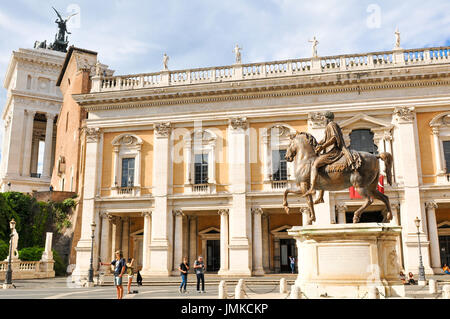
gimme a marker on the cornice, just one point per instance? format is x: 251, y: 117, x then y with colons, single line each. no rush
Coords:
x: 197, y: 97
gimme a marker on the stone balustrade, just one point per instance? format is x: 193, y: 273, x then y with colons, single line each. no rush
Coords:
x: 236, y: 72
x: 28, y: 269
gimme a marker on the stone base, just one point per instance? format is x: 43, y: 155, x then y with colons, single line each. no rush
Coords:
x: 5, y: 286
x: 345, y: 260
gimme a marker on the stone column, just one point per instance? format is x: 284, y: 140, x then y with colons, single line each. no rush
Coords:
x: 162, y: 220
x: 105, y: 248
x: 192, y: 239
x: 265, y: 242
x: 146, y: 243
x: 34, y: 155
x: 223, y: 241
x: 83, y: 248
x: 433, y: 236
x: 115, y: 235
x: 125, y: 237
x: 437, y: 147
x: 240, y: 261
x: 304, y: 211
x: 178, y: 240
x: 28, y: 144
x: 257, y: 242
x: 15, y: 141
x: 46, y: 171
x: 412, y: 206
x: 341, y: 210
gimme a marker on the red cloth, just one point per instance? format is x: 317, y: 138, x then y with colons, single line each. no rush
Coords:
x: 355, y: 195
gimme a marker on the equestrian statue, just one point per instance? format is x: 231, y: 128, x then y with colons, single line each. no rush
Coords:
x: 330, y: 166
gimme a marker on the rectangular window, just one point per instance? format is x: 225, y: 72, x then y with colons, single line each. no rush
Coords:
x: 279, y: 165
x: 128, y: 172
x: 447, y: 155
x: 201, y: 169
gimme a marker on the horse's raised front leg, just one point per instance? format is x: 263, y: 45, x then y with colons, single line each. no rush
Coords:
x: 286, y: 193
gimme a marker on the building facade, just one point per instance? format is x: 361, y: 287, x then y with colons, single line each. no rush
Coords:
x: 29, y: 117
x: 191, y: 162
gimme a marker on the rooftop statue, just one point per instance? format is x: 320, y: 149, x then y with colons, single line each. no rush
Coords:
x: 61, y: 40
x: 237, y: 52
x: 165, y: 62
x: 314, y: 46
x: 397, y: 39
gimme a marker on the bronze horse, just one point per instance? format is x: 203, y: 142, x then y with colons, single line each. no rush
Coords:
x: 364, y: 179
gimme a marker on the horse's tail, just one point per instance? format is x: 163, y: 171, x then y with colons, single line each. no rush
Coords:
x: 388, y: 161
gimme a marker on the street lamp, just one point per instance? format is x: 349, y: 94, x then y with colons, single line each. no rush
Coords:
x: 91, y: 267
x: 422, y: 280
x: 8, y: 276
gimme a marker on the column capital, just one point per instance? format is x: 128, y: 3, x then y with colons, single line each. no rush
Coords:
x: 223, y: 212
x: 238, y: 123
x: 31, y: 112
x: 147, y: 213
x: 431, y: 205
x: 395, y: 205
x: 178, y: 213
x: 404, y: 114
x: 49, y: 116
x: 162, y: 129
x: 341, y: 208
x: 257, y: 211
x: 435, y: 130
x: 92, y: 134
x: 104, y: 215
x: 317, y: 120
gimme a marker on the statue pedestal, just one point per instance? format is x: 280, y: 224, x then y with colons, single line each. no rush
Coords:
x: 346, y: 260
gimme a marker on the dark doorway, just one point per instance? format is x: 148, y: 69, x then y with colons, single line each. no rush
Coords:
x: 287, y: 248
x: 212, y: 255
x: 444, y: 246
x: 366, y: 217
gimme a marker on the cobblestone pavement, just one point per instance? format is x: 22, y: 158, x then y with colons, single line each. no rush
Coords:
x: 167, y: 288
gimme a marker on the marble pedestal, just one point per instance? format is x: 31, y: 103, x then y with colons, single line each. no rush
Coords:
x: 344, y: 260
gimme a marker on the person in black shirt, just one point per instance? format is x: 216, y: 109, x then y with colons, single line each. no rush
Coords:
x: 184, y: 267
x: 200, y: 268
x: 119, y: 268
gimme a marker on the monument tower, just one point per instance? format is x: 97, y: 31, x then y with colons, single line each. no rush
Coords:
x: 30, y: 114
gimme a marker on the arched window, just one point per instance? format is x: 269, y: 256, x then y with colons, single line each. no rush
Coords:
x: 362, y: 140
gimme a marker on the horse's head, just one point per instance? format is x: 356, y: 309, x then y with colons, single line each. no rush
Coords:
x: 300, y: 142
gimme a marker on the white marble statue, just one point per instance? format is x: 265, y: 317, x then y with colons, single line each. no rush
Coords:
x: 397, y: 39
x: 14, y: 241
x: 314, y: 46
x: 165, y: 62
x: 237, y: 52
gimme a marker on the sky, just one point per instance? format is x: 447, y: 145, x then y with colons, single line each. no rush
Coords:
x: 131, y: 36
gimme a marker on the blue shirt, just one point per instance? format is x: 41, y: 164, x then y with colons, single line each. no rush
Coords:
x: 118, y: 266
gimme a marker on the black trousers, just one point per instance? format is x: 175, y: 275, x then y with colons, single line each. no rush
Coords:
x: 200, y: 277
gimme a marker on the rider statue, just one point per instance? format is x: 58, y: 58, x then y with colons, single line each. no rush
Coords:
x: 333, y: 148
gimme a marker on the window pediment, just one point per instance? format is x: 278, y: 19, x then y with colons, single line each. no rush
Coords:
x: 127, y: 140
x: 364, y: 121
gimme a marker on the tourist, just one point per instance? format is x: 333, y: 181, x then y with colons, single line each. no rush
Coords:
x: 130, y: 273
x: 184, y: 267
x: 119, y: 269
x: 139, y: 278
x: 403, y: 277
x: 292, y: 260
x: 199, y: 267
x: 411, y: 279
x: 446, y: 269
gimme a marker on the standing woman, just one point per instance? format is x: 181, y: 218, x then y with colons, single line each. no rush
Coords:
x: 184, y: 267
x: 130, y: 273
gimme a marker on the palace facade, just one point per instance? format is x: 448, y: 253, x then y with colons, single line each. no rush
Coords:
x: 191, y: 162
